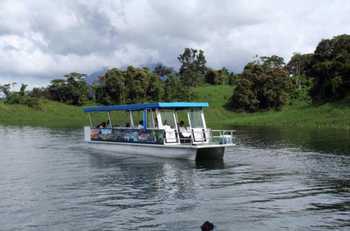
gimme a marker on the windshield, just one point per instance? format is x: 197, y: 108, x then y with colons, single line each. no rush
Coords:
x: 196, y: 119
x: 168, y: 119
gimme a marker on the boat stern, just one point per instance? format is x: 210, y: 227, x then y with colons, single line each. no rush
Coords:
x: 210, y: 153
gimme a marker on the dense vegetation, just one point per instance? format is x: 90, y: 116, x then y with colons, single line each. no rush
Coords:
x: 265, y: 84
x: 20, y: 97
x: 134, y: 84
x: 330, y: 69
x: 301, y: 115
x: 323, y: 76
x: 72, y: 90
x: 138, y: 85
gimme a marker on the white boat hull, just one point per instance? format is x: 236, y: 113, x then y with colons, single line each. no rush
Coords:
x: 191, y: 152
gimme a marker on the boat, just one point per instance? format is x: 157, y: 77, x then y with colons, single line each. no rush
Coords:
x: 165, y: 129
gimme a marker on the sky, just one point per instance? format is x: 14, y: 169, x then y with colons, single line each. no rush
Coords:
x: 41, y: 40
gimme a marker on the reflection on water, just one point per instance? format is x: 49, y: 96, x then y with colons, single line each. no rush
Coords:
x: 332, y: 141
x: 274, y: 180
x: 210, y: 164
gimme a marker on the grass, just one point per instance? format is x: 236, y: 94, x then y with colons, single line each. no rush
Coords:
x: 58, y: 115
x: 300, y: 114
x: 51, y: 114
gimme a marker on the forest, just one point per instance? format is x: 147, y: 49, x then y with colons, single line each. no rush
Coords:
x: 266, y: 83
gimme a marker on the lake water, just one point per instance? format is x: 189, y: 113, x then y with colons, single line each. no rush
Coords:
x: 289, y: 179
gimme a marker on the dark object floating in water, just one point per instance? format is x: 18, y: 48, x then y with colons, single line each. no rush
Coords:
x: 207, y: 226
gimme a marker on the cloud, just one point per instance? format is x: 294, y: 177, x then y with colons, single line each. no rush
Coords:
x: 41, y: 40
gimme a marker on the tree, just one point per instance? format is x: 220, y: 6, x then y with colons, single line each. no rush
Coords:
x: 297, y: 67
x: 22, y: 89
x: 211, y: 77
x: 232, y: 78
x: 216, y: 77
x: 137, y: 82
x: 162, y: 70
x: 275, y: 89
x: 299, y: 64
x: 133, y: 85
x: 73, y: 89
x: 193, y: 69
x: 155, y: 89
x: 99, y: 91
x: 57, y: 90
x: 174, y: 89
x: 77, y: 88
x: 263, y: 85
x: 39, y: 92
x: 272, y: 62
x: 244, y: 97
x: 5, y: 89
x: 115, y: 85
x: 330, y: 69
x: 20, y: 97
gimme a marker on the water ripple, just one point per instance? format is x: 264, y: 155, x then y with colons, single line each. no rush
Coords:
x: 271, y: 181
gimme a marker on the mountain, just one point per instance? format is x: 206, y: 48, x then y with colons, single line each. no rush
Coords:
x: 91, y: 78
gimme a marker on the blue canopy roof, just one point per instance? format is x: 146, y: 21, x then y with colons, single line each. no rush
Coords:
x: 139, y: 107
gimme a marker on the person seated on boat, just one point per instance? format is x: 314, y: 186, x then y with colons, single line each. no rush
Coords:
x: 127, y: 125
x: 140, y: 126
x: 101, y: 125
x: 166, y: 125
x: 183, y: 132
x: 155, y: 122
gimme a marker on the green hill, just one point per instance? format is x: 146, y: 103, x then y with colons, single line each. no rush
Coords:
x: 300, y: 114
x: 51, y: 114
x: 54, y: 114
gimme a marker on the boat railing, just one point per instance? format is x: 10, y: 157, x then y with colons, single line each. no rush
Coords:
x: 170, y: 136
x: 209, y: 136
x: 220, y: 136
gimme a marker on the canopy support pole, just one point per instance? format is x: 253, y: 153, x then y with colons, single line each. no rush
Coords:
x: 109, y: 119
x: 189, y: 120
x: 152, y: 119
x: 131, y: 119
x: 159, y: 119
x: 190, y: 124
x: 203, y: 120
x: 91, y: 125
x: 145, y: 119
x: 176, y: 127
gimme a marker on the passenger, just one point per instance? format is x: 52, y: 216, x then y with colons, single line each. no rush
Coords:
x: 127, y: 125
x: 101, y: 125
x: 155, y: 123
x: 183, y: 132
x: 166, y: 125
x: 140, y: 126
x: 207, y: 226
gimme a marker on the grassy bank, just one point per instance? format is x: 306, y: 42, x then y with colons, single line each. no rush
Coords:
x: 54, y: 114
x: 51, y: 114
x: 301, y: 114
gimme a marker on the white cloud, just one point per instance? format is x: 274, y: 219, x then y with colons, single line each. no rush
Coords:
x: 40, y: 40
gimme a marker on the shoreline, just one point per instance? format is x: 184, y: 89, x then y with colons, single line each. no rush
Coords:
x: 58, y: 115
x: 300, y: 115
